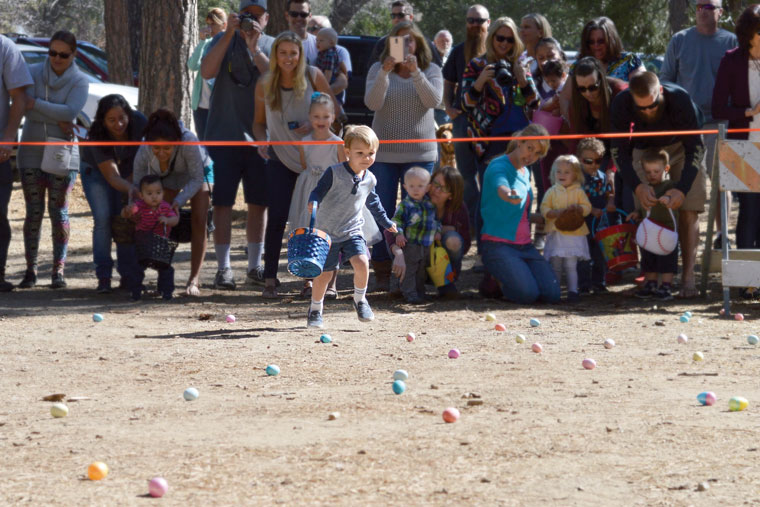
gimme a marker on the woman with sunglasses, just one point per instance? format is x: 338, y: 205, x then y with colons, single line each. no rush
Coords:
x: 58, y: 95
x: 403, y: 96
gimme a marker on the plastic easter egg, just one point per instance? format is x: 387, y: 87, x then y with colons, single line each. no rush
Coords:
x: 59, y: 410
x: 490, y: 317
x: 707, y: 398
x: 739, y: 316
x: 520, y: 338
x: 231, y: 318
x: 273, y: 370
x: 722, y: 311
x: 157, y: 487
x: 399, y: 386
x: 698, y: 356
x: 454, y: 353
x: 500, y: 327
x: 737, y: 404
x: 537, y: 348
x: 410, y: 337
x: 96, y: 317
x: 400, y: 375
x: 609, y: 343
x: 451, y: 415
x: 97, y: 471
x: 589, y: 363
x: 688, y: 314
x: 752, y: 339
x: 684, y: 319
x: 325, y: 338
x: 682, y: 338
x: 535, y: 322
x: 190, y: 394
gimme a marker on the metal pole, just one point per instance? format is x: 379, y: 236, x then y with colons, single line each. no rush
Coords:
x: 724, y: 228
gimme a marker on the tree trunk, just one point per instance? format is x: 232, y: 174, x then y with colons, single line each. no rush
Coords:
x: 170, y: 32
x: 134, y: 14
x: 678, y: 14
x: 277, y: 22
x: 118, y: 42
x: 342, y: 12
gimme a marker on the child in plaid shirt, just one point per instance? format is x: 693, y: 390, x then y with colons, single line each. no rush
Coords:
x: 418, y: 228
x: 328, y: 60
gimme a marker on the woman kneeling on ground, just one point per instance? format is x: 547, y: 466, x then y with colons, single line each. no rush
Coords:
x: 184, y: 179
x: 508, y: 253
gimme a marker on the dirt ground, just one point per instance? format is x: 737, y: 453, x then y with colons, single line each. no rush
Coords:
x: 629, y: 432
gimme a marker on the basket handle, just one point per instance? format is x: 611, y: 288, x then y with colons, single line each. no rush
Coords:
x: 605, y: 219
x: 313, y: 216
x: 672, y: 216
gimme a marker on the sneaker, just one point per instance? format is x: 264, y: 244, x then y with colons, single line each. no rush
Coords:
x: 663, y: 293
x: 57, y: 281
x: 331, y: 293
x: 573, y: 297
x: 256, y: 275
x: 612, y: 277
x: 167, y: 296
x: 412, y: 299
x: 750, y: 293
x: 600, y: 289
x: 363, y: 311
x: 314, y: 319
x: 6, y: 286
x: 104, y: 286
x: 539, y: 242
x: 648, y: 291
x: 29, y: 281
x: 584, y: 291
x: 136, y: 294
x: 718, y: 243
x: 224, y: 280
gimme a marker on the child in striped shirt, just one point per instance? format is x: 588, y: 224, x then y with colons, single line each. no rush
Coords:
x: 153, y: 216
x: 418, y: 227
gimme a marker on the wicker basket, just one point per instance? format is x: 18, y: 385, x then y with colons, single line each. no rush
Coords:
x: 307, y: 249
x: 153, y: 250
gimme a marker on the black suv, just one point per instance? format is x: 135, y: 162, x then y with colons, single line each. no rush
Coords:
x: 360, y: 48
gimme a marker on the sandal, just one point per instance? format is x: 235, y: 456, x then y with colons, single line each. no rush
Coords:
x: 306, y: 291
x: 331, y: 293
x: 270, y: 293
x: 192, y: 289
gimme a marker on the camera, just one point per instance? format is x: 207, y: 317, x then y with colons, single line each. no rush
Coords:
x: 248, y: 21
x: 503, y: 74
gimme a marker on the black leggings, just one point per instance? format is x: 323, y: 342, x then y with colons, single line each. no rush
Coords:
x: 280, y: 184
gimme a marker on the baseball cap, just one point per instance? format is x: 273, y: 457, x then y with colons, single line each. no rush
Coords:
x: 256, y: 3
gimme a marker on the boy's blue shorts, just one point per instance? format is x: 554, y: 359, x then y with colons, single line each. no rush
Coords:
x: 355, y: 245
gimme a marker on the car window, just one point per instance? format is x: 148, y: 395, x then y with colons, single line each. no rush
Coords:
x: 96, y: 58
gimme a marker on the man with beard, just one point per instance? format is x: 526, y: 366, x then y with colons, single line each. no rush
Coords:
x: 650, y: 106
x: 401, y: 10
x: 474, y: 45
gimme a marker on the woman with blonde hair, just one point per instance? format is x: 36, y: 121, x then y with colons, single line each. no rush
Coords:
x: 403, y: 95
x: 533, y: 28
x: 513, y: 266
x: 283, y: 96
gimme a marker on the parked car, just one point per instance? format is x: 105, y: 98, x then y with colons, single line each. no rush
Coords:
x: 359, y: 47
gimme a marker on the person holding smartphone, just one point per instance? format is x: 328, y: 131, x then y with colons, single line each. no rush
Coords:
x: 403, y: 89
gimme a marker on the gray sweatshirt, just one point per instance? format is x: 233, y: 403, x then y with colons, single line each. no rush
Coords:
x: 66, y: 96
x: 404, y: 110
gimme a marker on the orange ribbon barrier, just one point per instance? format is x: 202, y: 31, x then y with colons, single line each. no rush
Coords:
x: 387, y: 141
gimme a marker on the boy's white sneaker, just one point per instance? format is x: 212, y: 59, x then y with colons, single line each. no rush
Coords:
x: 363, y: 311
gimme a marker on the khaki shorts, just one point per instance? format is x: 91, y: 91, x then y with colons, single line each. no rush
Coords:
x: 695, y: 199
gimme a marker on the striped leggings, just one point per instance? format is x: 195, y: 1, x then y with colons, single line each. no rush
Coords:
x: 35, y: 183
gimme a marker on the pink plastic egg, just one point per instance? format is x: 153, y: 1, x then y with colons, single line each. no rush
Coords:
x: 537, y: 348
x: 451, y: 415
x: 500, y: 327
x: 739, y: 316
x: 454, y: 353
x: 589, y: 364
x: 158, y: 487
x: 231, y: 318
x: 410, y: 337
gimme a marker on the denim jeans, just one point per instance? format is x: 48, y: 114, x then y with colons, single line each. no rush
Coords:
x: 389, y: 175
x: 468, y: 167
x: 6, y: 187
x: 523, y: 273
x: 105, y: 203
x: 455, y: 256
x: 591, y: 272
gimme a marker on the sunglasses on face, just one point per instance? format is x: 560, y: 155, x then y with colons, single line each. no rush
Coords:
x: 296, y: 14
x: 476, y: 21
x: 596, y: 42
x: 440, y: 187
x: 397, y: 15
x: 501, y: 38
x: 592, y: 88
x: 53, y: 54
x: 594, y: 161
x: 653, y: 105
x: 707, y: 7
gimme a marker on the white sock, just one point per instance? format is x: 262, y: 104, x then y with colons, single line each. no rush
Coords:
x: 359, y: 294
x: 316, y: 305
x: 222, y: 256
x: 254, y: 255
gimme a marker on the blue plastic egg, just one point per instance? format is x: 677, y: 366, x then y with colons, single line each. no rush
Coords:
x: 325, y: 338
x: 752, y: 339
x: 707, y: 398
x: 687, y: 313
x: 190, y: 394
x: 273, y: 370
x: 96, y: 317
x: 535, y: 322
x: 684, y: 318
x: 399, y: 386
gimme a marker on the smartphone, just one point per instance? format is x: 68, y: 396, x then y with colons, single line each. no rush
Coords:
x: 80, y: 131
x: 399, y: 48
x: 292, y: 125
